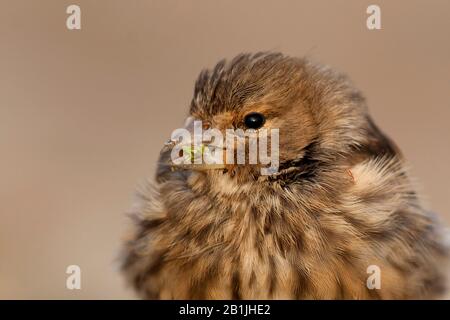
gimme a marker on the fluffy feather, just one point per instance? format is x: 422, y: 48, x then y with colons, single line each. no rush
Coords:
x: 343, y: 200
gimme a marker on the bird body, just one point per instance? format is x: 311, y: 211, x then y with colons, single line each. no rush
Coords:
x: 341, y: 201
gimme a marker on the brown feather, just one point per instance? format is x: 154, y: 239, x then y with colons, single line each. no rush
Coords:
x: 309, y: 232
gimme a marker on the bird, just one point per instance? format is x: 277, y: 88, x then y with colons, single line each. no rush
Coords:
x: 341, y: 203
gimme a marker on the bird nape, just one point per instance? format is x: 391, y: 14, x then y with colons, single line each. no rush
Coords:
x: 336, y: 217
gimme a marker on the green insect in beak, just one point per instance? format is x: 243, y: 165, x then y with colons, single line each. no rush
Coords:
x: 190, y: 153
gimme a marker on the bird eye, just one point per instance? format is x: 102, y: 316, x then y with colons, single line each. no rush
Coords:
x: 254, y: 120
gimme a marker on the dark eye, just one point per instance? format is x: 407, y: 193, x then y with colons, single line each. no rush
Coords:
x: 254, y: 120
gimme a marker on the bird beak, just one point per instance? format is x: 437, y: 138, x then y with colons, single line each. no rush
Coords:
x: 192, y: 154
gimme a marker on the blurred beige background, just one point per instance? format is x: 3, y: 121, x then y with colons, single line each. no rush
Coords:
x: 84, y: 113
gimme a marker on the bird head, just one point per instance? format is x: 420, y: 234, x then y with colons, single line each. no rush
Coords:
x: 311, y: 118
